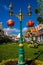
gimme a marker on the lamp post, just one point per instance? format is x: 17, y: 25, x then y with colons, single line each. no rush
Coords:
x: 20, y: 16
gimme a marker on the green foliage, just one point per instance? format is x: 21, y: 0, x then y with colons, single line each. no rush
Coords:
x: 5, y: 61
x: 39, y: 19
x: 9, y: 51
x: 36, y: 11
x: 37, y: 62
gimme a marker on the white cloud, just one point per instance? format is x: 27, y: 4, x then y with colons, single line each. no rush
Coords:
x: 9, y: 30
x: 24, y: 29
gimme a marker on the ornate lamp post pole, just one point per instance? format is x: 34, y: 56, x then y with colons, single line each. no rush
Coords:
x: 20, y: 17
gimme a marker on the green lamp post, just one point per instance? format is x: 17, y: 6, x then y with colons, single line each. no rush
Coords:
x: 20, y: 16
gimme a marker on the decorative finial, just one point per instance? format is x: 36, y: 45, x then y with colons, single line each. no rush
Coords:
x: 10, y: 6
x: 29, y: 7
x: 20, y: 10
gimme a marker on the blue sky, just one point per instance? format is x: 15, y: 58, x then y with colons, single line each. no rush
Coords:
x: 17, y: 4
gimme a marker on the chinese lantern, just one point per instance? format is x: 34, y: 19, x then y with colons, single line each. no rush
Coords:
x: 30, y: 23
x: 10, y: 23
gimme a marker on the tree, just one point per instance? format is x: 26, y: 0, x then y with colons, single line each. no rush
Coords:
x: 39, y: 11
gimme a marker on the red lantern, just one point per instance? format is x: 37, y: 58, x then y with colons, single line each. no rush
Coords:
x: 10, y: 23
x: 30, y: 23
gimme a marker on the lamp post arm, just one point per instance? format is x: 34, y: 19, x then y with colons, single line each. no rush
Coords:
x: 20, y: 16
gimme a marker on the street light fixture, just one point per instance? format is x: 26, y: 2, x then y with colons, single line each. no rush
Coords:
x: 20, y: 16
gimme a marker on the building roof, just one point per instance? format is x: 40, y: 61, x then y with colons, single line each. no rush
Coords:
x: 18, y: 36
x: 38, y: 33
x: 34, y: 32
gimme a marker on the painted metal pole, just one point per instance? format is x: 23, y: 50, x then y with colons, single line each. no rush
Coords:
x: 21, y: 60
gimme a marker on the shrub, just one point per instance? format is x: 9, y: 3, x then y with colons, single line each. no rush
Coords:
x: 37, y: 62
